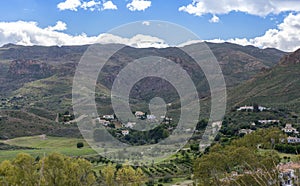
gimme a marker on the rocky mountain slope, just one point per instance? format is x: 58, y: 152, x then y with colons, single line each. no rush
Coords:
x: 37, y: 80
x: 278, y: 87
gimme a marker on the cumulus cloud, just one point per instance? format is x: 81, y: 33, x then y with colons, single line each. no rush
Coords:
x: 109, y: 5
x: 60, y: 26
x: 285, y: 37
x: 214, y: 19
x: 138, y: 5
x: 91, y: 5
x: 29, y: 33
x: 253, y: 7
x: 69, y: 5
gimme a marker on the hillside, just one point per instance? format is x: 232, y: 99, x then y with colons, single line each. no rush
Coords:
x: 278, y: 87
x: 38, y: 80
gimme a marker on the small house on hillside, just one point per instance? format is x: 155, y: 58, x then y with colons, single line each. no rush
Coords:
x: 293, y: 140
x: 268, y: 121
x: 289, y: 129
x: 103, y: 122
x: 139, y: 114
x: 287, y: 177
x: 125, y: 132
x: 151, y: 117
x: 129, y: 125
x: 108, y: 117
x: 251, y: 108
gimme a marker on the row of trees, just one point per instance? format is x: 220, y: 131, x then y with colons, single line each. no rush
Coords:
x: 57, y: 169
x: 54, y: 169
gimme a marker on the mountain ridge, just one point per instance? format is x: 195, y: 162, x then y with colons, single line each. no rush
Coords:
x: 278, y: 87
x: 53, y: 93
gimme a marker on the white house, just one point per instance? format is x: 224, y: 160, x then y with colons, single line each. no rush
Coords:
x: 108, y: 117
x: 103, y: 122
x: 139, y: 114
x: 125, y: 132
x: 245, y: 108
x: 268, y: 121
x: 260, y: 108
x: 293, y: 140
x: 151, y: 117
x: 129, y: 124
x: 289, y: 129
x: 287, y: 177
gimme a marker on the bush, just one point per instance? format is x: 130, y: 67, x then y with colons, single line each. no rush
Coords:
x: 80, y: 145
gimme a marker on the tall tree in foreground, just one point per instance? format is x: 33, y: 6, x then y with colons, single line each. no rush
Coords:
x: 109, y: 174
x: 21, y: 171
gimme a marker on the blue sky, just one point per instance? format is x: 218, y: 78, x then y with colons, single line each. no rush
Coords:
x: 240, y: 23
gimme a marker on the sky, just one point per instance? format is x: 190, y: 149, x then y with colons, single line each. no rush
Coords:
x: 262, y: 23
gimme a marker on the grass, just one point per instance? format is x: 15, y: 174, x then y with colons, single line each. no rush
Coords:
x: 66, y: 146
x: 277, y: 88
x: 293, y: 157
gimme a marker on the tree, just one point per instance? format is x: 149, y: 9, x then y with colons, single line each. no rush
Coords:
x: 62, y: 170
x: 201, y: 125
x: 125, y: 175
x: 21, y: 171
x: 240, y: 155
x: 109, y: 174
x: 128, y: 176
x: 80, y: 145
x: 54, y: 169
x: 255, y: 107
x: 140, y: 177
x: 6, y: 173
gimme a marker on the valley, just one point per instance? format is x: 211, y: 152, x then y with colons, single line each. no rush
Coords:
x: 36, y: 115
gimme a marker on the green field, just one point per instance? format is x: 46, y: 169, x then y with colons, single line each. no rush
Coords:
x: 66, y: 146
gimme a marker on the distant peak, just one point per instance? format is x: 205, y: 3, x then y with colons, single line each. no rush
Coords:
x: 292, y: 58
x: 9, y: 45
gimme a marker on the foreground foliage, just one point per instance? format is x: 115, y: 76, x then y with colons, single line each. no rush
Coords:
x: 54, y: 169
x: 242, y: 162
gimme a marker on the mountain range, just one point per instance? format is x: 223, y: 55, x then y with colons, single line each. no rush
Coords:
x: 36, y: 81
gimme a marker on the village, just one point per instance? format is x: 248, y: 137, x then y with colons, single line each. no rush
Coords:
x: 288, y: 170
x: 110, y: 121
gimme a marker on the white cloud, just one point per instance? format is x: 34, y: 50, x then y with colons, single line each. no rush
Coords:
x: 91, y: 5
x: 214, y: 19
x: 60, y: 26
x: 138, y: 5
x: 285, y: 37
x: 69, y: 5
x: 253, y: 7
x: 29, y: 33
x: 145, y: 41
x: 146, y: 23
x: 109, y: 5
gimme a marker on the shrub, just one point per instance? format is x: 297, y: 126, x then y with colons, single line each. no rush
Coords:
x: 80, y: 145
